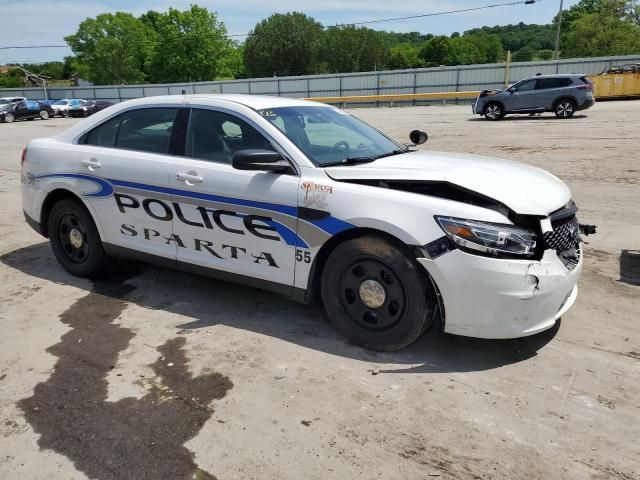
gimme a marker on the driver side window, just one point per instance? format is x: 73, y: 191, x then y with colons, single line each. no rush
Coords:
x: 216, y: 136
x: 526, y: 86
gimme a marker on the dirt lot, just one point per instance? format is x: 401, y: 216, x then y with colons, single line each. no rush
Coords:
x: 157, y: 374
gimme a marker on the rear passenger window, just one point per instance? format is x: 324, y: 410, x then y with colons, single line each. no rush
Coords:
x: 104, y: 135
x: 146, y: 130
x: 547, y: 83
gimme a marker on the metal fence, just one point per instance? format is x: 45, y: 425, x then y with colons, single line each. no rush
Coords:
x: 421, y: 80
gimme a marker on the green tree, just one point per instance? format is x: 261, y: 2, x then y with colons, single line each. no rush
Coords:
x: 12, y: 79
x: 598, y: 35
x: 353, y: 49
x: 435, y: 51
x: 284, y: 44
x: 112, y: 48
x: 525, y: 54
x: 405, y: 55
x: 190, y: 45
x: 600, y: 27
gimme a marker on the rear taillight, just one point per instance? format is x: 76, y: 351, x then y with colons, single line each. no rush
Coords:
x: 24, y: 156
x: 586, y: 86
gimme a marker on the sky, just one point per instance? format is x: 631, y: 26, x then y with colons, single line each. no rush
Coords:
x: 47, y: 22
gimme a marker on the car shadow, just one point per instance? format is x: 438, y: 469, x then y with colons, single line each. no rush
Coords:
x: 526, y: 117
x: 630, y: 267
x: 210, y: 302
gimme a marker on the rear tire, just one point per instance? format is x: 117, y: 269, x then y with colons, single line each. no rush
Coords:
x: 75, y: 240
x: 376, y: 294
x: 565, y: 108
x: 9, y: 118
x: 493, y: 111
x: 44, y: 115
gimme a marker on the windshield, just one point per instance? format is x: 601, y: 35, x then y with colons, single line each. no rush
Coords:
x: 62, y: 102
x: 328, y: 135
x: 75, y: 103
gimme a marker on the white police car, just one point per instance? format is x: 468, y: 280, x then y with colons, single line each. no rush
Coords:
x: 306, y: 200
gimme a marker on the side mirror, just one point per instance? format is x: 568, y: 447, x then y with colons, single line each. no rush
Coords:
x: 511, y: 90
x: 263, y: 160
x: 418, y: 137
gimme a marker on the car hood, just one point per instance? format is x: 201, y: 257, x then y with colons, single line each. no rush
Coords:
x: 524, y: 189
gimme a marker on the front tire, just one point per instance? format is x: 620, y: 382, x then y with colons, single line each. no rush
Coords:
x: 376, y: 294
x: 9, y: 118
x: 44, y: 115
x: 75, y: 240
x: 493, y: 111
x: 565, y: 108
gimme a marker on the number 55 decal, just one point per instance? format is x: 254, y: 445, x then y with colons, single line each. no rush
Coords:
x: 303, y: 256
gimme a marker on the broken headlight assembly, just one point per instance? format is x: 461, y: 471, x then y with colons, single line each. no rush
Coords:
x: 489, y: 238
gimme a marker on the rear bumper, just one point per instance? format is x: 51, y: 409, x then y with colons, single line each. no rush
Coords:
x: 37, y: 226
x: 497, y: 298
x: 587, y: 104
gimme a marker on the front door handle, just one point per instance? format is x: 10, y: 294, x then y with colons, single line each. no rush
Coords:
x: 92, y: 164
x: 190, y: 178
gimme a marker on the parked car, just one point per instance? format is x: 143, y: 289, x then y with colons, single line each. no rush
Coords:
x: 25, y: 109
x: 61, y: 107
x: 89, y: 107
x: 560, y: 94
x: 306, y: 200
x: 5, y: 100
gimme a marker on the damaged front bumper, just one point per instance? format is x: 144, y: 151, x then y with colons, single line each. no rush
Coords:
x: 488, y: 297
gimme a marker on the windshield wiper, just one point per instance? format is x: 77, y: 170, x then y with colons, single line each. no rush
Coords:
x: 358, y: 160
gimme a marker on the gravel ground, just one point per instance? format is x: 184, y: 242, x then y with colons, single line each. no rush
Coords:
x: 161, y: 375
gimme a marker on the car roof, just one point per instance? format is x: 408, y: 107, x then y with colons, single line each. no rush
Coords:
x: 559, y: 75
x: 255, y: 102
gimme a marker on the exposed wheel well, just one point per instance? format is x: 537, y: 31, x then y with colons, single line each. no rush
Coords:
x: 52, y: 198
x: 315, y: 276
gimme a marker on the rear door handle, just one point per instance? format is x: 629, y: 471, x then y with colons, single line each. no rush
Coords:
x: 189, y: 178
x: 92, y: 164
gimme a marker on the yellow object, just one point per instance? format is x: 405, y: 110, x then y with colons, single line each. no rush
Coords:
x: 616, y: 85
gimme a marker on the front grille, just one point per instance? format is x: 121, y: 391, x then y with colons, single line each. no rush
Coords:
x: 565, y: 240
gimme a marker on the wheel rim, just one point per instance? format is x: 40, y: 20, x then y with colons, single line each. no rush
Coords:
x: 44, y: 115
x: 72, y: 235
x: 9, y: 118
x: 565, y: 109
x: 372, y: 295
x: 493, y: 112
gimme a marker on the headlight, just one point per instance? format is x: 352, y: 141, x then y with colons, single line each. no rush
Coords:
x: 493, y: 238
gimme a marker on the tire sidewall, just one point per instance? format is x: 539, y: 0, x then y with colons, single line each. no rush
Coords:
x: 573, y: 104
x: 9, y: 118
x: 491, y: 105
x: 416, y: 317
x: 96, y: 259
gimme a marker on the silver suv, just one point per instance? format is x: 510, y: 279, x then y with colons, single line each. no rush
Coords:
x: 561, y: 94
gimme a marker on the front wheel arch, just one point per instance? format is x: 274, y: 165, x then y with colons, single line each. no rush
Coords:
x: 319, y: 262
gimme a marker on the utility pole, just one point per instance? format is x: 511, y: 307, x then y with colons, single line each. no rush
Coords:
x: 557, y: 53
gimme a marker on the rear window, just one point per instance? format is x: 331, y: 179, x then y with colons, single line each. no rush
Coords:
x: 546, y: 83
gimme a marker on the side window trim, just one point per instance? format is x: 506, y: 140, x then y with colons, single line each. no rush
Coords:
x: 251, y: 123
